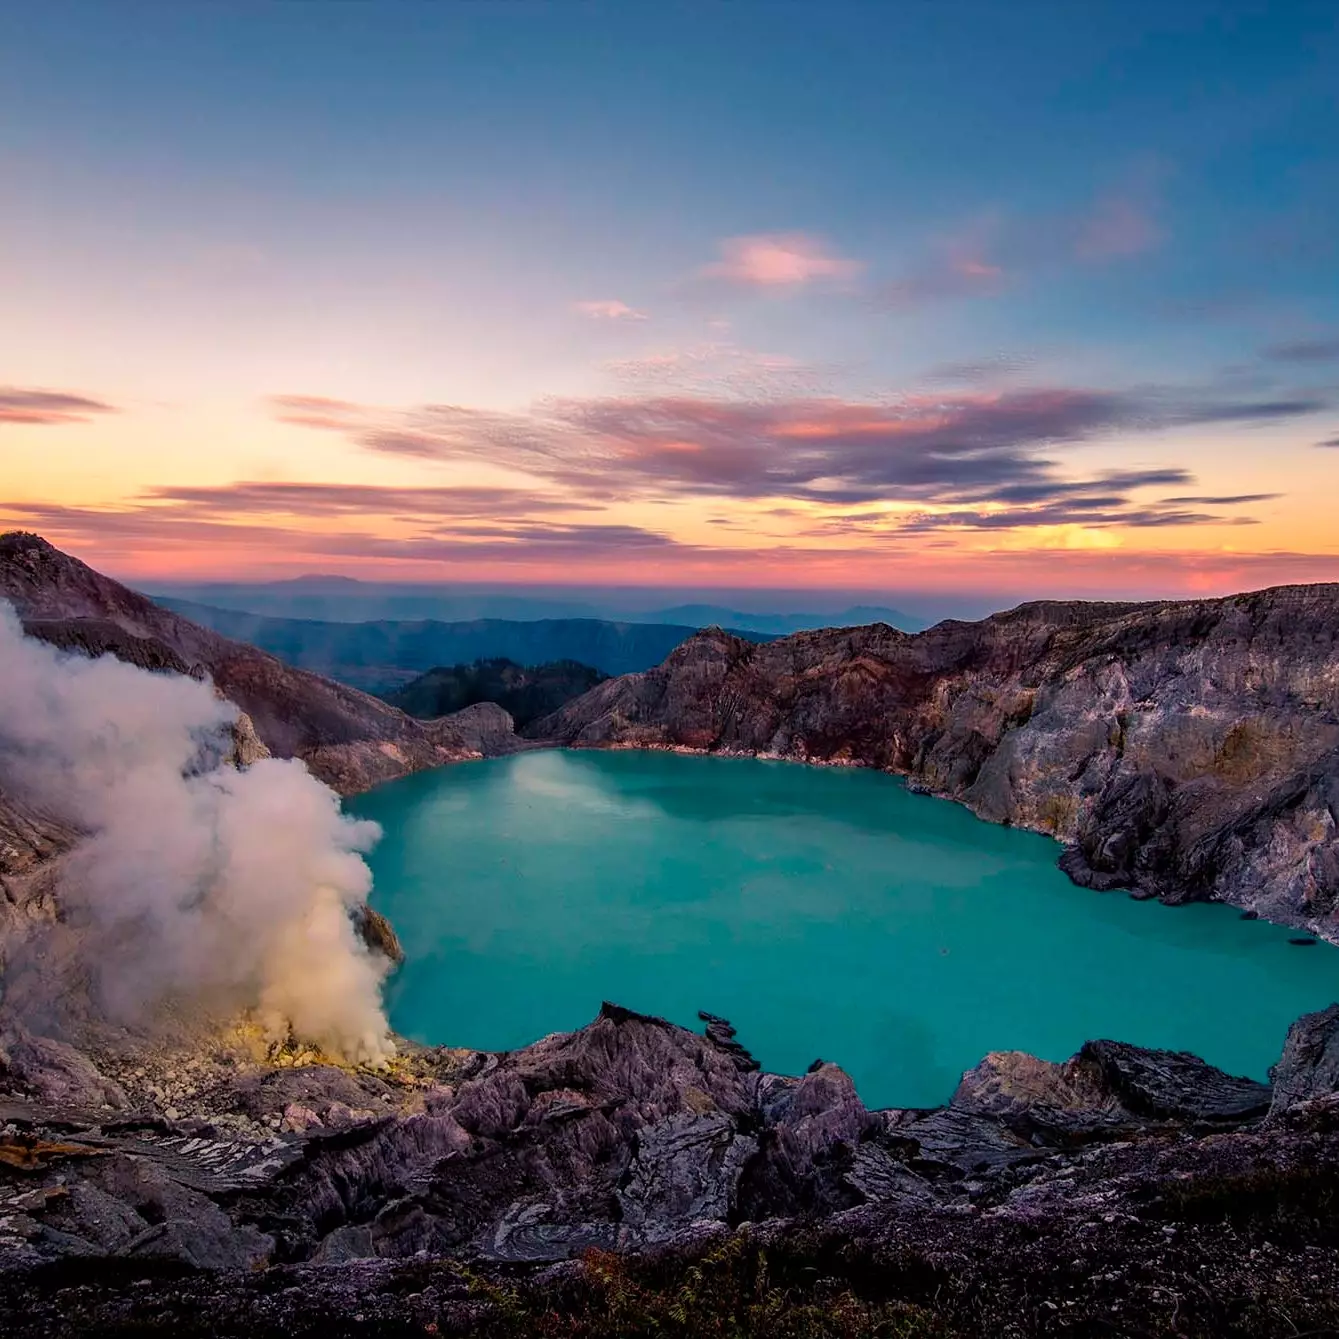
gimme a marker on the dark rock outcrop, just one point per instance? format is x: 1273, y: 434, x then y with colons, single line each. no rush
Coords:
x: 627, y: 1133
x: 1185, y: 750
x: 1108, y: 1089
x: 1309, y: 1066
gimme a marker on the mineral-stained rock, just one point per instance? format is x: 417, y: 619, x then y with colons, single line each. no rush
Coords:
x: 1185, y: 750
x: 684, y: 1169
x: 1309, y: 1066
x: 486, y: 728
x: 377, y: 933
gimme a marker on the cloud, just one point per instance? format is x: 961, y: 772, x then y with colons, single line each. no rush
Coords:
x: 995, y: 368
x: 1322, y: 350
x: 778, y: 261
x: 47, y: 408
x: 1232, y: 500
x: 189, y: 525
x: 1329, y: 442
x: 961, y: 446
x: 608, y: 309
x: 1118, y: 226
x: 315, y: 499
x: 955, y: 270
x: 1120, y: 480
x: 1064, y: 514
x: 997, y: 252
x: 316, y: 411
x: 720, y: 368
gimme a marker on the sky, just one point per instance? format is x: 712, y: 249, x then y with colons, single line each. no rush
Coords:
x: 864, y: 296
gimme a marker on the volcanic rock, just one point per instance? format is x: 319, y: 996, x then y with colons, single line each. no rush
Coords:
x: 1188, y: 750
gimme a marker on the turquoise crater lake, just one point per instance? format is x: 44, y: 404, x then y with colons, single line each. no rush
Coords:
x: 825, y: 911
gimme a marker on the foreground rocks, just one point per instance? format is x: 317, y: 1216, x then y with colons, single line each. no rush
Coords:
x: 636, y: 1164
x: 1184, y: 750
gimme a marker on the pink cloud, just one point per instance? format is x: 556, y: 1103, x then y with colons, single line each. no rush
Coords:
x: 960, y: 447
x: 778, y: 260
x: 954, y: 268
x: 1118, y: 226
x: 25, y: 405
x: 608, y: 309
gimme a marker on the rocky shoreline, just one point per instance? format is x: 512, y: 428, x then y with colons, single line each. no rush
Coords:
x: 1185, y: 751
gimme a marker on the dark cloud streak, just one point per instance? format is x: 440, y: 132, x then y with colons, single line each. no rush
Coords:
x: 31, y: 407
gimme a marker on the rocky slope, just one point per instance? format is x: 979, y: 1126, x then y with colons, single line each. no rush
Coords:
x: 1144, y: 1179
x: 347, y: 738
x: 1185, y: 750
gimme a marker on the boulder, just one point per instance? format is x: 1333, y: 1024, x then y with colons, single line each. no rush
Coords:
x: 1309, y: 1066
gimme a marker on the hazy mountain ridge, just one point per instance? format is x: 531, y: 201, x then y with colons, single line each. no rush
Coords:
x: 348, y: 739
x: 336, y: 599
x: 386, y: 654
x: 1183, y: 749
x: 524, y: 692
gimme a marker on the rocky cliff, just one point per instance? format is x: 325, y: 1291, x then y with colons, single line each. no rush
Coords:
x: 1143, y: 1188
x: 1185, y: 750
x: 347, y: 738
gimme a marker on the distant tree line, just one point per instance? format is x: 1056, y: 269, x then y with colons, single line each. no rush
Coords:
x: 526, y: 691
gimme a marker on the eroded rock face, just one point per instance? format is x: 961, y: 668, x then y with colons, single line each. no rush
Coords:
x: 1309, y: 1066
x: 486, y: 728
x: 1185, y: 750
x: 1109, y: 1087
x: 628, y: 1133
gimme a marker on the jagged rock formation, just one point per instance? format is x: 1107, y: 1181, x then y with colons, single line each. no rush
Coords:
x: 632, y: 1133
x: 31, y: 846
x: 1185, y: 750
x: 348, y: 739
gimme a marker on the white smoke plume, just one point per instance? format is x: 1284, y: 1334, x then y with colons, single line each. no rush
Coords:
x: 198, y: 884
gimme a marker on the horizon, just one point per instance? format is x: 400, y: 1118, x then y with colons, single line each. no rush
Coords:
x: 924, y: 608
x: 948, y: 304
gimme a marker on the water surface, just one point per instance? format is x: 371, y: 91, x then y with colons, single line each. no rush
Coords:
x: 826, y: 911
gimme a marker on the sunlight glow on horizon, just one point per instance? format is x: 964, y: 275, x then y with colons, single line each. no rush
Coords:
x: 433, y: 311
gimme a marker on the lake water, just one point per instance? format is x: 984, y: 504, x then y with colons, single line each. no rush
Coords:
x: 827, y: 912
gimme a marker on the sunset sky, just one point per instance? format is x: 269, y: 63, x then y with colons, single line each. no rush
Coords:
x: 862, y: 296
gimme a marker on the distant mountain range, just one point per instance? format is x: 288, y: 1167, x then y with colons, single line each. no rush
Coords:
x: 527, y: 693
x: 332, y: 599
x: 348, y: 739
x: 388, y: 653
